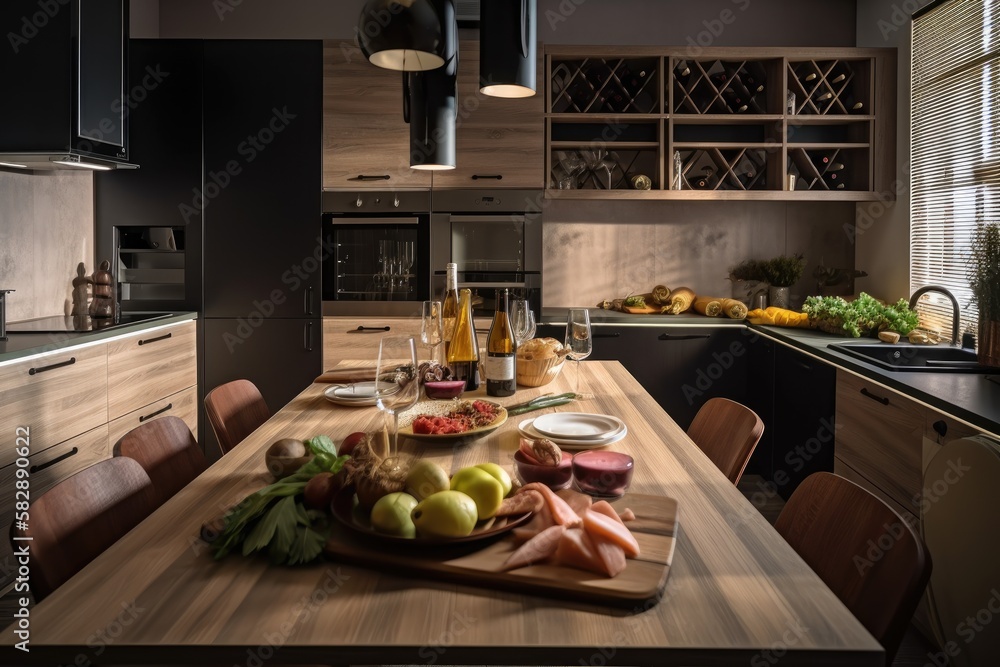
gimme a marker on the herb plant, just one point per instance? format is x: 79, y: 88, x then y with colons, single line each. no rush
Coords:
x: 748, y: 269
x: 784, y: 270
x: 984, y: 270
x: 861, y: 317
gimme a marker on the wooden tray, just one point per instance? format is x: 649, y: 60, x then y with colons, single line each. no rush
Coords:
x: 645, y: 310
x: 655, y: 527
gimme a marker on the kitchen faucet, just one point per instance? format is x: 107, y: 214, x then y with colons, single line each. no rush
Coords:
x: 954, y: 305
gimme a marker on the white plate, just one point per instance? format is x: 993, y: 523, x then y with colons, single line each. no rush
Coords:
x: 527, y: 430
x: 349, y: 396
x: 577, y: 425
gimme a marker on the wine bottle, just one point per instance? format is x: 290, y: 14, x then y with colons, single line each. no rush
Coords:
x: 835, y: 180
x: 449, y: 305
x: 706, y: 181
x: 754, y: 76
x: 634, y: 83
x: 463, y: 353
x: 500, y: 352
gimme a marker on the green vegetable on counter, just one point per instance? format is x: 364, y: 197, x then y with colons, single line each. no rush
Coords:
x: 275, y: 518
x: 861, y: 317
x: 541, y: 402
x: 635, y: 301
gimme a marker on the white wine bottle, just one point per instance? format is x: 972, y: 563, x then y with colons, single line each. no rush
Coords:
x: 449, y: 305
x: 463, y: 353
x: 500, y: 352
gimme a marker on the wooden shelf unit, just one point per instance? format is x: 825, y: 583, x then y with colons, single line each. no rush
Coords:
x: 616, y: 112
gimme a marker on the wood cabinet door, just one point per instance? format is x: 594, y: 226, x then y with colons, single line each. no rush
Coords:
x: 183, y: 404
x: 357, y: 338
x: 366, y: 143
x: 150, y: 365
x: 500, y: 142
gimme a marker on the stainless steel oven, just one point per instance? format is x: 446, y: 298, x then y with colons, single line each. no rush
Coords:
x: 495, y: 237
x: 377, y: 251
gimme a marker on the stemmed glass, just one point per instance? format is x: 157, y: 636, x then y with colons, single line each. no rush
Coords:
x: 522, y: 320
x: 431, y: 327
x: 578, y: 339
x: 396, y: 386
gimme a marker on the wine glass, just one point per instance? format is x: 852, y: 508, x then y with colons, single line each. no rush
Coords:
x: 578, y: 339
x: 396, y: 385
x: 522, y: 320
x: 431, y: 327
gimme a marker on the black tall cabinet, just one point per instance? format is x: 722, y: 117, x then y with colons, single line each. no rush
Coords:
x: 232, y: 153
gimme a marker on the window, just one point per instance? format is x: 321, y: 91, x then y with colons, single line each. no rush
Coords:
x: 955, y: 147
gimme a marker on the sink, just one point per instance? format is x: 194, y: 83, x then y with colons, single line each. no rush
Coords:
x: 940, y: 358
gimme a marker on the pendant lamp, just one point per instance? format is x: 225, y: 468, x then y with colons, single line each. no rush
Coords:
x: 402, y: 34
x: 507, y: 47
x: 432, y: 99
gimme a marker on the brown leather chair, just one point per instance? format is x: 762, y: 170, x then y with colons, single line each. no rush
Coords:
x: 167, y: 451
x: 727, y: 432
x: 833, y: 524
x: 235, y: 409
x: 77, y: 519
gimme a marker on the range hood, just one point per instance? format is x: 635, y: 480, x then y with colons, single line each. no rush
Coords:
x: 48, y: 161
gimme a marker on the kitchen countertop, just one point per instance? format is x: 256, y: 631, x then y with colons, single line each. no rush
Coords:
x: 21, y: 345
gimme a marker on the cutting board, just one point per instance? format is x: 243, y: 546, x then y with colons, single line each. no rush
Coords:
x: 655, y: 528
x: 645, y: 310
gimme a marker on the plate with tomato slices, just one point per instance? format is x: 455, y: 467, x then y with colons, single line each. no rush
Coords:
x: 454, y: 422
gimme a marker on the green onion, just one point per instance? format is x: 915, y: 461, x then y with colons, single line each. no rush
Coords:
x: 542, y: 402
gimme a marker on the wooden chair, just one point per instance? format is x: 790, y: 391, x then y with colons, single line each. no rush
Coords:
x: 167, y: 451
x: 77, y: 519
x: 727, y: 432
x: 235, y: 409
x: 833, y: 524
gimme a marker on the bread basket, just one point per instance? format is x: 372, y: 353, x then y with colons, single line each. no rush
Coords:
x: 538, y: 372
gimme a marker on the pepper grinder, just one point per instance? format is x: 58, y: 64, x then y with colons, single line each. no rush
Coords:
x: 3, y: 312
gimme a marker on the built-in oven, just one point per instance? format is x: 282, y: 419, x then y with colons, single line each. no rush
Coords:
x: 377, y: 251
x: 495, y: 238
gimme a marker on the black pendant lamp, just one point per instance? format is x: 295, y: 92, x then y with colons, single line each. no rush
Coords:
x: 507, y: 47
x: 402, y: 35
x: 431, y: 103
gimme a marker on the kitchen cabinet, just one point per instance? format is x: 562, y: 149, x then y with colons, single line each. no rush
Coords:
x: 147, y: 366
x: 499, y: 140
x: 616, y: 118
x: 66, y: 63
x: 366, y: 143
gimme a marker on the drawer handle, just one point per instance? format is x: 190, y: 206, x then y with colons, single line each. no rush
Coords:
x: 881, y: 399
x: 153, y: 340
x: 363, y: 177
x: 606, y: 335
x: 49, y: 464
x: 804, y: 366
x: 308, y: 306
x: 307, y: 335
x: 667, y: 336
x: 940, y: 427
x: 158, y: 412
x: 42, y: 369
x: 363, y: 328
x: 492, y: 177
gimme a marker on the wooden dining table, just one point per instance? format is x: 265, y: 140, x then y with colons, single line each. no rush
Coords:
x: 736, y: 592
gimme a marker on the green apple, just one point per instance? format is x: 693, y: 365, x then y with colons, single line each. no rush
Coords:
x: 500, y: 474
x: 391, y: 515
x: 425, y: 479
x: 445, y: 514
x: 482, y: 487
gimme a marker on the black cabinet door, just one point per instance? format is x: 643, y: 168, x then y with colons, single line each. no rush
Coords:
x: 262, y: 178
x: 760, y: 399
x: 101, y: 33
x: 281, y: 356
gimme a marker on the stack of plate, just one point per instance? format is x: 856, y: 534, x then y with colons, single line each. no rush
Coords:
x: 357, y: 394
x: 575, y: 430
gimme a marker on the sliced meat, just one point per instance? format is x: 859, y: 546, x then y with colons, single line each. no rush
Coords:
x: 539, y: 522
x: 540, y: 547
x: 562, y: 513
x: 529, y: 501
x: 580, y: 502
x: 605, y: 508
x: 611, y: 555
x: 600, y: 526
x: 628, y: 515
x: 576, y: 549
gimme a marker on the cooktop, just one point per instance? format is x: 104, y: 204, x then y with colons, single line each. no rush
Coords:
x: 78, y: 324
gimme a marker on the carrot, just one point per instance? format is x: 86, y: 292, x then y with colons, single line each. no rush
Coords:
x: 601, y: 526
x: 538, y: 548
x: 562, y: 513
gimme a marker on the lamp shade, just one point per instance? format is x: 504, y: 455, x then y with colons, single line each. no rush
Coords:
x: 402, y: 35
x: 507, y: 47
x: 432, y: 98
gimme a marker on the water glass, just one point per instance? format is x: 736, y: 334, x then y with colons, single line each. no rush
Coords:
x: 396, y: 385
x: 578, y: 339
x: 431, y: 327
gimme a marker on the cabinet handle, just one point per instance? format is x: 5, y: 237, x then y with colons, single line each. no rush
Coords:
x: 941, y: 427
x: 881, y: 399
x: 364, y: 328
x: 308, y: 305
x: 154, y: 340
x: 606, y: 335
x: 307, y: 334
x: 667, y: 336
x: 492, y: 177
x: 42, y: 369
x: 363, y: 177
x: 49, y: 464
x: 804, y: 366
x: 158, y: 412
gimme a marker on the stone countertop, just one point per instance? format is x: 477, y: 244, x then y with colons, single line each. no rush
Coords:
x: 21, y: 345
x: 557, y: 316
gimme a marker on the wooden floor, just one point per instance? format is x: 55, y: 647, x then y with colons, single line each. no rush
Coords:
x: 914, y: 651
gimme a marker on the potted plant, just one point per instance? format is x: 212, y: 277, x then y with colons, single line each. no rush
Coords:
x: 781, y: 273
x: 984, y: 280
x: 748, y: 279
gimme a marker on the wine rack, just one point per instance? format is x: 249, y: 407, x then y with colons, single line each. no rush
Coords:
x: 743, y: 122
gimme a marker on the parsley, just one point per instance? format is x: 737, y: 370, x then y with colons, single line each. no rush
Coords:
x: 861, y: 317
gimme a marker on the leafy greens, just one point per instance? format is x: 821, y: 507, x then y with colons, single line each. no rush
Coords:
x: 861, y: 317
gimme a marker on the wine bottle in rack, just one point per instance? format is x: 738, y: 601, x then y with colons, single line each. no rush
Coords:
x: 835, y: 180
x: 635, y: 81
x: 840, y: 75
x: 705, y: 180
x: 754, y: 76
x: 806, y: 74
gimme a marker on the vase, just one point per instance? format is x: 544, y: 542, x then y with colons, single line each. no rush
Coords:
x: 778, y: 296
x: 744, y: 290
x: 989, y: 343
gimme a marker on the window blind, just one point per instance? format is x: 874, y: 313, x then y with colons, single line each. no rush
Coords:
x: 955, y: 148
